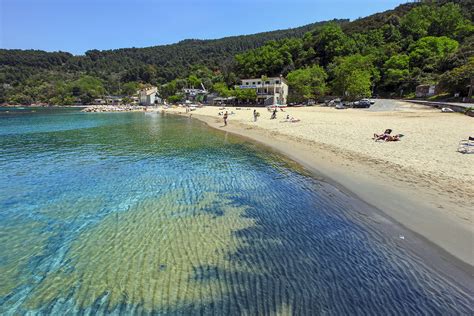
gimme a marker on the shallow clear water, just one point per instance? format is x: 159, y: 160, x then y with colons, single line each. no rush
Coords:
x: 123, y: 213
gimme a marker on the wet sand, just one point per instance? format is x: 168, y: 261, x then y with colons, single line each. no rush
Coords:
x: 421, y: 182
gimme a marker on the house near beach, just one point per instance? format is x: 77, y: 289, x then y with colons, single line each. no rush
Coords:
x: 100, y: 101
x: 270, y: 90
x: 195, y: 95
x: 149, y: 96
x: 113, y: 100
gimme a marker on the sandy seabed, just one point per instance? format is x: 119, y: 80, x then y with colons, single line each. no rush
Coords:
x: 421, y: 181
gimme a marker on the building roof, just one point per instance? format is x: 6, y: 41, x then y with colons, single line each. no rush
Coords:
x: 149, y: 91
x: 224, y: 99
x: 268, y: 78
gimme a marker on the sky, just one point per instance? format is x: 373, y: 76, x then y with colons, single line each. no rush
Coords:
x: 76, y: 26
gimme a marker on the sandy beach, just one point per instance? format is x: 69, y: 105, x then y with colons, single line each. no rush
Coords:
x: 421, y: 181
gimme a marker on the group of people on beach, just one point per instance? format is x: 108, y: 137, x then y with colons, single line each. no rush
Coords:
x: 256, y: 115
x: 385, y: 136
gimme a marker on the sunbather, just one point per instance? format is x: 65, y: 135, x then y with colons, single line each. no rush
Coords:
x: 395, y: 138
x: 294, y: 120
x: 382, y: 136
x: 290, y: 119
x: 466, y: 146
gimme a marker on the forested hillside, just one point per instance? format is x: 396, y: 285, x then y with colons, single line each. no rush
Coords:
x: 386, y: 53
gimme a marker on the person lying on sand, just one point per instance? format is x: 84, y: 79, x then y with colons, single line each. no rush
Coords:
x: 291, y: 119
x: 395, y: 138
x: 294, y: 120
x: 382, y: 136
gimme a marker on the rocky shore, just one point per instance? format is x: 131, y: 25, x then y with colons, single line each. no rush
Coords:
x: 114, y: 108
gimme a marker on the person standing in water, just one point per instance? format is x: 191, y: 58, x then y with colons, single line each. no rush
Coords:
x: 225, y: 118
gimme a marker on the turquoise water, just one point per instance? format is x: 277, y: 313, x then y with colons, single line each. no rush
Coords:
x: 133, y: 213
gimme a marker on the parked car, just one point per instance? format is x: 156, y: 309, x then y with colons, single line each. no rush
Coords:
x: 340, y: 106
x: 334, y: 102
x: 348, y: 104
x: 363, y: 103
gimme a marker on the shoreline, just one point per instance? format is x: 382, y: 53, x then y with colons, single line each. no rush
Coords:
x: 413, y: 210
x: 442, y: 254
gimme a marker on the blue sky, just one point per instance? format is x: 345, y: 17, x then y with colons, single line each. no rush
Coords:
x: 78, y: 25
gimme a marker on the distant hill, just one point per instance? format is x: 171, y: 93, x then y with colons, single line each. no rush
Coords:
x: 171, y: 60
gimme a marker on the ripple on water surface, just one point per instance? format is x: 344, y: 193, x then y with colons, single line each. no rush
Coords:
x: 133, y: 213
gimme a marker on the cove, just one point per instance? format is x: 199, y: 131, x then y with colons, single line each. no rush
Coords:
x: 133, y: 213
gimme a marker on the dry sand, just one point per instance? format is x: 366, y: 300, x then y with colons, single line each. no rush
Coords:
x: 421, y: 181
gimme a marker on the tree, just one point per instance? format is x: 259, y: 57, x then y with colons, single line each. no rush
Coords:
x: 245, y: 94
x: 222, y: 89
x: 169, y: 89
x: 270, y: 59
x: 87, y: 88
x: 126, y: 100
x: 175, y: 98
x: 447, y: 20
x: 417, y: 22
x: 329, y: 41
x: 130, y: 88
x: 21, y: 99
x: 144, y: 73
x: 307, y: 83
x: 397, y: 71
x: 353, y: 76
x: 194, y: 81
x: 428, y: 51
x: 459, y: 79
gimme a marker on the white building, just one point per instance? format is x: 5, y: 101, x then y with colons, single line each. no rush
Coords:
x: 270, y: 91
x: 195, y: 95
x: 149, y: 96
x: 100, y: 101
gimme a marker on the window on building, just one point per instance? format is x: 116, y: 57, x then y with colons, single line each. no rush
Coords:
x: 277, y: 82
x: 253, y: 82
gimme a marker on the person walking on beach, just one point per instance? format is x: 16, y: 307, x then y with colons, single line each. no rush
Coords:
x: 225, y: 118
x: 274, y: 114
x: 255, y: 115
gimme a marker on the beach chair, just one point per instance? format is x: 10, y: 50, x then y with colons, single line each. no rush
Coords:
x: 466, y: 146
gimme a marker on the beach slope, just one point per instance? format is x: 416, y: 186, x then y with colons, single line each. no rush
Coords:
x: 422, y: 182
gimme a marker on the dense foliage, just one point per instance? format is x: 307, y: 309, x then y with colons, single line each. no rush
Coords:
x: 388, y: 53
x: 416, y: 44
